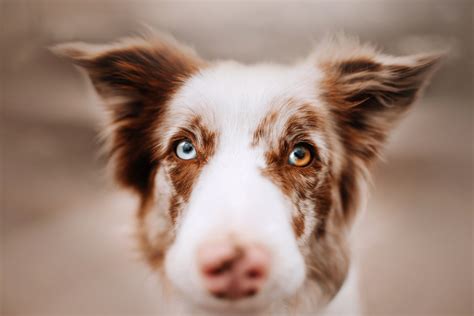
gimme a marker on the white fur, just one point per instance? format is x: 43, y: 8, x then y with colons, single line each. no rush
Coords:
x: 231, y: 196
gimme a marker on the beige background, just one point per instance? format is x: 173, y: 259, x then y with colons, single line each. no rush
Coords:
x: 65, y: 249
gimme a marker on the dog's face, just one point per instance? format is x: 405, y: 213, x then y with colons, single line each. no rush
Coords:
x: 249, y: 176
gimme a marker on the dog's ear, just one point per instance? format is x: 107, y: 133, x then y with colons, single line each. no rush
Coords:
x: 135, y: 78
x: 368, y: 92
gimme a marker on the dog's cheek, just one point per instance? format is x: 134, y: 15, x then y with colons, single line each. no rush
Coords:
x: 155, y: 230
x: 321, y: 236
x: 328, y: 254
x: 328, y: 263
x: 182, y: 177
x: 298, y: 188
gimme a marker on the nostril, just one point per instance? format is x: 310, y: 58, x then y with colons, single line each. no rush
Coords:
x: 220, y: 269
x: 217, y: 259
x: 220, y: 295
x: 254, y: 273
x: 250, y: 293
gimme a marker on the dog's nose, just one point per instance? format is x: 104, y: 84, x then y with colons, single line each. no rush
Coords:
x: 231, y: 271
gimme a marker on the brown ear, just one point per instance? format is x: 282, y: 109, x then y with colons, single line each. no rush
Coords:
x: 135, y: 78
x: 368, y: 94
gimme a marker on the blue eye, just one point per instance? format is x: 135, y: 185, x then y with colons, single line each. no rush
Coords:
x: 185, y: 150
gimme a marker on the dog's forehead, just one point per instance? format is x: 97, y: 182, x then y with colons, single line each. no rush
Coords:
x: 234, y: 98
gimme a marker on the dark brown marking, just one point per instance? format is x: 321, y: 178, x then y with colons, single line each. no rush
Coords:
x: 264, y: 128
x: 357, y: 65
x: 184, y: 173
x: 298, y: 224
x: 297, y: 183
x: 349, y: 191
x: 367, y: 97
x: 152, y: 250
x: 328, y: 261
x: 145, y: 74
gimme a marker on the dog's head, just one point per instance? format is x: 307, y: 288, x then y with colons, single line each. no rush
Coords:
x: 249, y: 175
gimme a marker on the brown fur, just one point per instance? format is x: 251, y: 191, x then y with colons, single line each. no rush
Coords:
x: 364, y: 95
x: 184, y: 173
x: 264, y: 128
x: 366, y: 98
x: 153, y: 251
x: 145, y: 75
x: 297, y: 183
x: 327, y: 255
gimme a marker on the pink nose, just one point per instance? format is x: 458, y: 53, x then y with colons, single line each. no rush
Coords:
x: 230, y: 271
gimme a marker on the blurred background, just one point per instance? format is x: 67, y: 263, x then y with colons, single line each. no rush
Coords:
x: 65, y: 244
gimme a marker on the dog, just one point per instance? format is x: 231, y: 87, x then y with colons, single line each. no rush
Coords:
x: 249, y: 177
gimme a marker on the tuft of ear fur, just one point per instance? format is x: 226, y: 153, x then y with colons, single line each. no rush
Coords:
x: 368, y: 91
x: 133, y: 67
x: 135, y: 77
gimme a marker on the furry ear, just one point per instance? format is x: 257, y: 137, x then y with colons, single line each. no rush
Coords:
x: 135, y: 77
x: 368, y: 92
x: 134, y: 67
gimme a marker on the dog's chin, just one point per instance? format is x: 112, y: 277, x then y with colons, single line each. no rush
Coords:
x: 200, y: 303
x: 247, y: 307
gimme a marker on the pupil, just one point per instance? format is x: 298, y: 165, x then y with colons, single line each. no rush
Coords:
x: 300, y: 153
x: 187, y: 148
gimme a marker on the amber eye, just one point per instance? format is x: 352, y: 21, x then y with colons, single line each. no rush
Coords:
x: 301, y: 155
